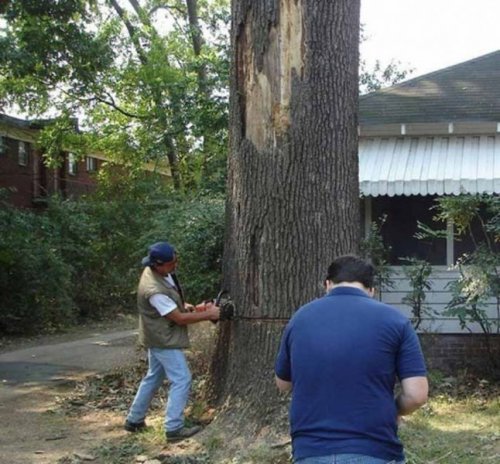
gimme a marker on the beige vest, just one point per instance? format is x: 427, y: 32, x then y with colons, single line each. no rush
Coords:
x: 157, y: 331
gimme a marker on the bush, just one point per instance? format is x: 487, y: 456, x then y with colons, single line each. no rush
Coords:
x: 35, y: 281
x: 80, y: 260
x: 76, y: 260
x: 100, y: 242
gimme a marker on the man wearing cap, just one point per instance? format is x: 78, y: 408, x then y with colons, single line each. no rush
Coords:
x: 163, y: 320
x: 340, y: 356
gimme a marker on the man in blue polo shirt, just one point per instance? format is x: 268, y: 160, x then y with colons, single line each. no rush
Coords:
x: 340, y: 355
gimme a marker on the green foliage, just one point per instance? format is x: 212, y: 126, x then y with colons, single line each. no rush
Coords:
x: 477, y: 285
x: 146, y: 92
x: 461, y: 210
x: 195, y: 226
x: 381, y: 76
x: 475, y: 216
x: 49, y: 46
x: 374, y: 249
x: 418, y: 273
x: 81, y: 259
x: 77, y: 259
x: 35, y: 283
x: 99, y: 240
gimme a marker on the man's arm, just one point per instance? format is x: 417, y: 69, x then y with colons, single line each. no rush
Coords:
x: 212, y: 313
x: 283, y: 385
x: 414, y: 391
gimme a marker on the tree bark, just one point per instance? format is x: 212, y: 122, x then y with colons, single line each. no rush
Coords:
x: 293, y: 194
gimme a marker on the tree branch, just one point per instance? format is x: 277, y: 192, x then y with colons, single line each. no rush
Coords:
x: 131, y: 30
x: 167, y: 7
x: 197, y: 41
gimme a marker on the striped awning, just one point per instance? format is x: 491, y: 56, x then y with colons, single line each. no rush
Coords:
x: 448, y: 165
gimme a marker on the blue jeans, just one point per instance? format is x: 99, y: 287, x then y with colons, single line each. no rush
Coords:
x: 345, y: 459
x: 163, y: 363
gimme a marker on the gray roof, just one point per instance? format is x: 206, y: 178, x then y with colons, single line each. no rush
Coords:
x: 24, y: 123
x: 468, y: 91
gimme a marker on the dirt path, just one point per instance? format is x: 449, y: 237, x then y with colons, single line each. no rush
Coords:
x: 33, y: 379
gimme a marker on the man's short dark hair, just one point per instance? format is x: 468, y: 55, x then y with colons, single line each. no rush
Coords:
x: 350, y: 268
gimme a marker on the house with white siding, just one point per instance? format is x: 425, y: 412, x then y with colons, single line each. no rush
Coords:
x: 435, y: 135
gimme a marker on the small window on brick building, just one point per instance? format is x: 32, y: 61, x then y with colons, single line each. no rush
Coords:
x: 23, y: 154
x: 91, y: 164
x: 72, y: 164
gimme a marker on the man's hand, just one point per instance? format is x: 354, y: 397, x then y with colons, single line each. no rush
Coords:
x: 283, y: 385
x: 212, y: 312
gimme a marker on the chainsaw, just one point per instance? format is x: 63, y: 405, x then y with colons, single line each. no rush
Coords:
x: 224, y: 302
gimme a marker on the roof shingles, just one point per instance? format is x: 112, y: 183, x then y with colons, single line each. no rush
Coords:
x: 467, y: 91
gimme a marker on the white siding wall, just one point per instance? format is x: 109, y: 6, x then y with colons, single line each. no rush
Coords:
x: 437, y: 299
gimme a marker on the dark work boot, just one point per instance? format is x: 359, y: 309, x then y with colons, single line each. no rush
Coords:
x: 182, y: 433
x: 134, y: 426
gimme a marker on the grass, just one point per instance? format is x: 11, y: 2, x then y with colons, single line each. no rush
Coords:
x: 459, y: 425
x: 456, y: 427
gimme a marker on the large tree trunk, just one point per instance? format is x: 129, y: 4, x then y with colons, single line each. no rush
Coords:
x: 293, y: 195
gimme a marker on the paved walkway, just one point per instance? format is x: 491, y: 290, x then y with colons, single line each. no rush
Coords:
x: 47, y: 363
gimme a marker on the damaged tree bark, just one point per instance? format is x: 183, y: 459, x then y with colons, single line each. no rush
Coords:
x: 293, y: 195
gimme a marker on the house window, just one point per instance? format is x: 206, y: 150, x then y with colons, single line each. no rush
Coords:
x: 72, y: 164
x: 91, y: 164
x: 398, y: 232
x: 23, y: 154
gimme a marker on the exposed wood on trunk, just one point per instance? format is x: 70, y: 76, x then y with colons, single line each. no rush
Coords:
x: 267, y: 90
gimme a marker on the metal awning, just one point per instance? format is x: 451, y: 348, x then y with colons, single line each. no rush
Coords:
x: 438, y: 165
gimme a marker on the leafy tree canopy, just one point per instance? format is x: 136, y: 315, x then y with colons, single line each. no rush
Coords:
x: 148, y: 78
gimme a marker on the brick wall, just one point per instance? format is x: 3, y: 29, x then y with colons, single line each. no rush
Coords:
x: 81, y: 182
x: 29, y: 183
x: 17, y: 178
x: 452, y: 352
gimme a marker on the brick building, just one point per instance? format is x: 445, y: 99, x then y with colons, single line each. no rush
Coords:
x: 24, y: 174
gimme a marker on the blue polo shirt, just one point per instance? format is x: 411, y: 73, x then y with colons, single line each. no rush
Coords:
x: 343, y: 353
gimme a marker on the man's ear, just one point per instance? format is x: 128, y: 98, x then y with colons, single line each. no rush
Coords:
x: 371, y: 292
x: 328, y: 285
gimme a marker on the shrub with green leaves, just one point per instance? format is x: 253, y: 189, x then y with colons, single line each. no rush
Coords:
x: 73, y: 261
x: 374, y: 249
x: 477, y: 218
x: 80, y: 260
x: 195, y: 226
x: 35, y: 281
x: 100, y: 242
x: 418, y: 273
